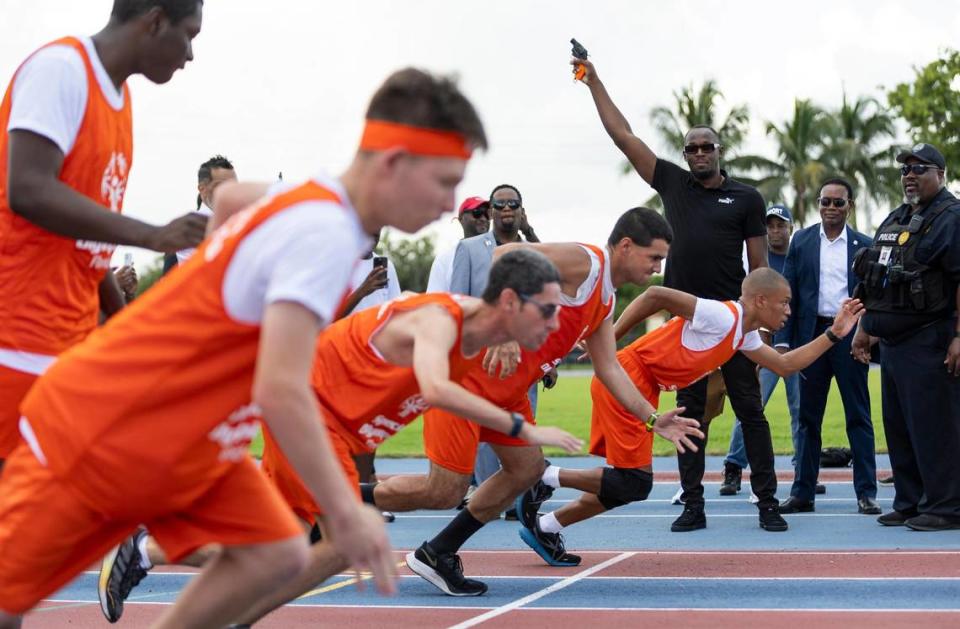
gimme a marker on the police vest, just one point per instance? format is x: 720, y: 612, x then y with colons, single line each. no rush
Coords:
x: 891, y: 278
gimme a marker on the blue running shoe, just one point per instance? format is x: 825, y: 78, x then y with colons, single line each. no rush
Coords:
x: 549, y: 546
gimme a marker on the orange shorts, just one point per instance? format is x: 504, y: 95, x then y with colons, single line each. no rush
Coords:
x: 288, y: 482
x: 49, y: 535
x: 13, y: 388
x: 614, y: 432
x: 451, y: 441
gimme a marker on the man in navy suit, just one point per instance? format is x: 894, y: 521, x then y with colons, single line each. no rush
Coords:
x: 818, y: 267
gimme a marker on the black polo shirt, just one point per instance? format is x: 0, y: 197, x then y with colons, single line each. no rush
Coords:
x: 709, y: 228
x: 940, y: 248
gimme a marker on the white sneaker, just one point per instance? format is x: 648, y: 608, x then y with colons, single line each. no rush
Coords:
x: 676, y: 497
x: 753, y: 498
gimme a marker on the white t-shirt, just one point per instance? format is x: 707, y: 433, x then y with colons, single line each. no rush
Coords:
x: 50, y: 93
x: 185, y: 254
x: 304, y: 254
x: 381, y: 295
x: 441, y: 270
x: 711, y: 324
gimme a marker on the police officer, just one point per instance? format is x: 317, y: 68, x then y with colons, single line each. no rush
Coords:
x: 909, y: 285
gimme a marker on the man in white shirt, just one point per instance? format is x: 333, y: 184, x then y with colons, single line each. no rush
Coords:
x: 818, y: 267
x: 474, y: 218
x: 373, y: 283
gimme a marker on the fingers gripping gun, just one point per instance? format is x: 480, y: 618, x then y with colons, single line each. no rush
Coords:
x: 580, y: 53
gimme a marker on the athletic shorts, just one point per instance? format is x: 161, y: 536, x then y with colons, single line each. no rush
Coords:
x: 451, y: 441
x: 288, y: 483
x: 49, y: 535
x: 13, y: 388
x: 615, y: 433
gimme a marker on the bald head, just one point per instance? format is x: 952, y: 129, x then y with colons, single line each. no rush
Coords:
x: 763, y: 281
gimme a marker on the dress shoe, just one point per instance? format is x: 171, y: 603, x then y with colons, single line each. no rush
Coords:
x: 930, y: 522
x: 868, y: 506
x: 895, y: 518
x: 820, y: 488
x: 795, y: 505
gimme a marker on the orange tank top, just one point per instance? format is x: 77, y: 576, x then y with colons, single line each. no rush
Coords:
x: 576, y: 323
x: 662, y: 355
x: 167, y: 383
x: 55, y: 278
x: 367, y: 399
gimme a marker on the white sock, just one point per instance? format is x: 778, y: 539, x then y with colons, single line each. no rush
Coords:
x: 549, y: 523
x: 145, y: 562
x: 551, y: 476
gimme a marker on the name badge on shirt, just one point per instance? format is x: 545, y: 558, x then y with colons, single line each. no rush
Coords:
x: 884, y: 258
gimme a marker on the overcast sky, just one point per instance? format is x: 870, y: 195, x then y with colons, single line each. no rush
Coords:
x: 282, y: 85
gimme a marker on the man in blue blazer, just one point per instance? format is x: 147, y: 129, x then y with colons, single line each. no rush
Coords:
x: 818, y: 267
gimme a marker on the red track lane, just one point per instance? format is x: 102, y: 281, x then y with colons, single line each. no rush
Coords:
x: 717, y: 619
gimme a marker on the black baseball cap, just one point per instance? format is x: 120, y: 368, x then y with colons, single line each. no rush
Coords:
x: 926, y: 153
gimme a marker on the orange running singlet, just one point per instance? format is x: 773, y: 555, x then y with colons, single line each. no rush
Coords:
x: 55, y: 278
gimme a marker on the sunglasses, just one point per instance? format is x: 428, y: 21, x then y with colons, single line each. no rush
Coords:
x: 827, y: 201
x: 916, y: 169
x: 478, y: 213
x: 706, y: 149
x: 513, y: 204
x: 547, y: 311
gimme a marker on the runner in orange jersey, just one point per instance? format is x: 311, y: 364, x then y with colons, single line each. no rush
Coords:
x: 635, y: 249
x: 148, y: 421
x: 703, y: 335
x: 379, y: 369
x: 66, y: 147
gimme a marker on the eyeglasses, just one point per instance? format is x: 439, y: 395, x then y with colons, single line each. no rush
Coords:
x: 510, y: 203
x: 547, y: 311
x: 706, y: 149
x: 478, y: 213
x: 916, y: 169
x: 827, y: 201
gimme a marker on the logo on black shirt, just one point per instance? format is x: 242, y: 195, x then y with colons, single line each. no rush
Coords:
x: 725, y: 200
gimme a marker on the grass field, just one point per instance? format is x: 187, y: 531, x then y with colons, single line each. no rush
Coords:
x: 568, y: 406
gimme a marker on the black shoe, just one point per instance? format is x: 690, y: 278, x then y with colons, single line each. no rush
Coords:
x: 868, y: 506
x: 732, y: 476
x: 770, y: 520
x: 549, y: 546
x: 527, y: 504
x: 444, y: 571
x: 795, y: 505
x: 691, y: 519
x: 120, y: 572
x: 388, y: 516
x: 930, y: 522
x: 896, y: 518
x: 819, y: 489
x: 510, y: 515
x: 886, y: 480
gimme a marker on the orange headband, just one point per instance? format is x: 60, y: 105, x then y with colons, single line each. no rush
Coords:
x: 380, y: 135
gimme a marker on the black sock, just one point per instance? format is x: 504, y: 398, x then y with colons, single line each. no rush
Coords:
x: 366, y: 493
x: 456, y: 534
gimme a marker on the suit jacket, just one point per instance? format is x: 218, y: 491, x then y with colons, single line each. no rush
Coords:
x: 471, y: 265
x: 802, y: 270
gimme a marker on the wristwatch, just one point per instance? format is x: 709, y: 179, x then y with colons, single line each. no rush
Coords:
x: 650, y: 421
x: 518, y: 422
x: 830, y: 335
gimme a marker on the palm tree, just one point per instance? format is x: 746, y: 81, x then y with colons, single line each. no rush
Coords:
x: 858, y: 148
x: 799, y: 167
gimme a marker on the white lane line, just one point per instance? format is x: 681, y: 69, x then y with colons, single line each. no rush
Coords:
x: 655, y: 516
x: 520, y: 602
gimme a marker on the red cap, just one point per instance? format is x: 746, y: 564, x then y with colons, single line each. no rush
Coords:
x: 472, y: 203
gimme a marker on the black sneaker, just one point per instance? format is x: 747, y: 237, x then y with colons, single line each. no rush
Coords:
x: 527, y: 504
x: 510, y: 515
x: 771, y: 520
x: 886, y: 480
x: 444, y: 571
x: 691, y: 519
x: 732, y: 475
x: 120, y: 572
x: 549, y: 546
